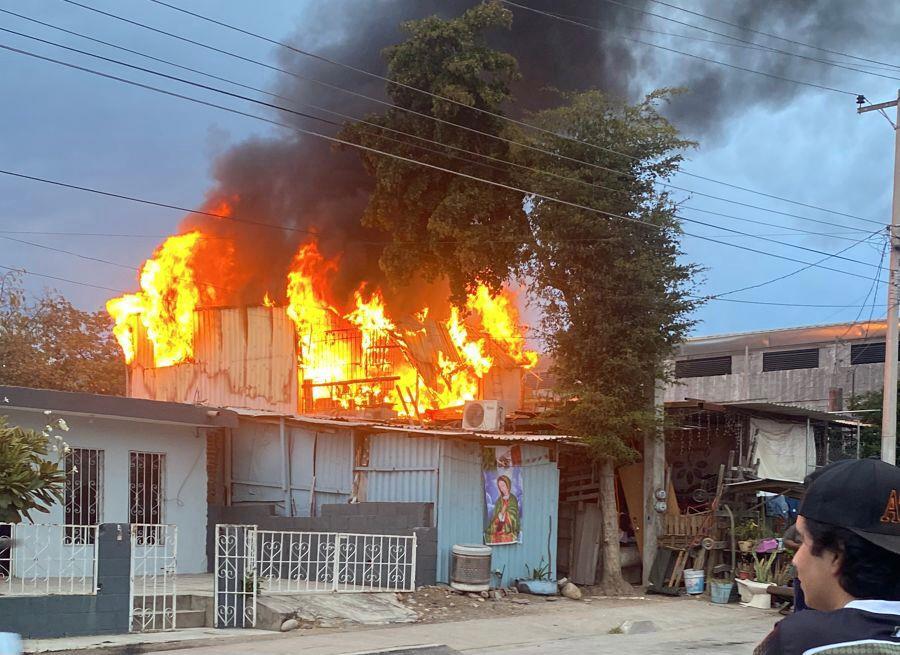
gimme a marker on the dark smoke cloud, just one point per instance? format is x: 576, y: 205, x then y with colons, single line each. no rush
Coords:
x: 303, y: 182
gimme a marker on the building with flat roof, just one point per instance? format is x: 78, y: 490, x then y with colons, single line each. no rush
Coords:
x: 819, y: 367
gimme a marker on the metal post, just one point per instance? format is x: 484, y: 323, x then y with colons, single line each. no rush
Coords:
x: 857, y: 439
x: 807, y: 446
x: 285, y: 484
x: 889, y: 405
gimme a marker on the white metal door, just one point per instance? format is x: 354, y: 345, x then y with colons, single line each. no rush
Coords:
x: 153, y: 588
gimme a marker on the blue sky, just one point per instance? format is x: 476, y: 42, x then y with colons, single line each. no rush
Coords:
x: 809, y: 146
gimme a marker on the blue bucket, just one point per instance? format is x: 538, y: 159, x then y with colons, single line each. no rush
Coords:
x: 693, y: 581
x: 720, y: 592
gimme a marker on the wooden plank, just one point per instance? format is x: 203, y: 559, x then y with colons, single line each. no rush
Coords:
x: 632, y: 479
x: 588, y: 525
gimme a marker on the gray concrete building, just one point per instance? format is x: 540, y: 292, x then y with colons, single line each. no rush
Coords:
x: 819, y: 367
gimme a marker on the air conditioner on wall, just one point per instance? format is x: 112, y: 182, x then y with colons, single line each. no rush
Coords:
x: 484, y: 416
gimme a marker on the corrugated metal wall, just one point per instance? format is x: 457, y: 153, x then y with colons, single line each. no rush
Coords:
x: 461, y: 510
x: 258, y: 462
x: 243, y: 357
x: 402, y: 468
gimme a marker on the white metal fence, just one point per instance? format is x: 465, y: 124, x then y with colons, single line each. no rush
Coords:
x: 296, y: 562
x: 153, y: 591
x: 43, y: 559
x: 236, y: 580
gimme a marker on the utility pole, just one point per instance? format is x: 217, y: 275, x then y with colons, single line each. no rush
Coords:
x: 891, y: 349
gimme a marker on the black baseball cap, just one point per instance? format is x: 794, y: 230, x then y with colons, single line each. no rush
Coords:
x: 862, y: 496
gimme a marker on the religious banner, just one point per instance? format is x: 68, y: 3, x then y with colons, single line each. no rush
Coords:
x: 502, y: 467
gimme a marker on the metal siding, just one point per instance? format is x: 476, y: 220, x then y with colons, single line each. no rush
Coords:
x: 461, y: 512
x: 334, y: 468
x: 397, y: 451
x: 301, y: 445
x: 244, y: 357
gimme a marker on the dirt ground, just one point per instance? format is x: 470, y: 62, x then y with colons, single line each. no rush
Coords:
x: 441, y: 604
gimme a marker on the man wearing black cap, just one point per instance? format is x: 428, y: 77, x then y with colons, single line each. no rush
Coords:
x: 848, y: 562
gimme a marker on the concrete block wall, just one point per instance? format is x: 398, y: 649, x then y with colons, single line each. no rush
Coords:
x: 107, y: 612
x: 362, y: 518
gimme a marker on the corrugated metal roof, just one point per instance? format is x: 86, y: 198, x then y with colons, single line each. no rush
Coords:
x: 375, y: 426
x: 771, y: 408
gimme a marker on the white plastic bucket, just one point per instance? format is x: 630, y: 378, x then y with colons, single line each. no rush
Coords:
x: 693, y: 581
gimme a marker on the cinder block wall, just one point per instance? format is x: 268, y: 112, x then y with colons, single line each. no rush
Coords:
x: 107, y: 612
x: 403, y: 519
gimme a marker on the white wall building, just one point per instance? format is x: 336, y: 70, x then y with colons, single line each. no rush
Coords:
x: 132, y: 461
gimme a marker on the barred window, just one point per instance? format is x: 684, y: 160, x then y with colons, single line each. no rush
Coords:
x: 146, y: 477
x: 83, y: 493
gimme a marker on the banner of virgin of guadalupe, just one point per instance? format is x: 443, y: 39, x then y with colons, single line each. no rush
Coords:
x: 503, y: 493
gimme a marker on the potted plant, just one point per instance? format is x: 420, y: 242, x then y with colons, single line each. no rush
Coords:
x: 746, y: 533
x: 538, y: 580
x: 763, y: 568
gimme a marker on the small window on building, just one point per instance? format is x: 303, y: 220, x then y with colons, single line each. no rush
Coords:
x: 146, y: 485
x: 867, y: 353
x: 786, y: 360
x: 83, y: 493
x: 704, y: 367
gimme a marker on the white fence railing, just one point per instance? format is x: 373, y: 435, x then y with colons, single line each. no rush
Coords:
x: 44, y: 559
x: 296, y: 562
x: 153, y: 565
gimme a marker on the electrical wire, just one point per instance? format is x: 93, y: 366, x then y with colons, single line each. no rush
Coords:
x: 799, y: 270
x: 25, y: 271
x: 354, y: 118
x: 775, y: 36
x: 439, y: 120
x: 301, y: 130
x: 752, y: 43
x: 822, y: 87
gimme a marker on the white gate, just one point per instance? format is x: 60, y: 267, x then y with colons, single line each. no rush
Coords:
x: 153, y: 592
x: 42, y: 559
x: 236, y: 581
x: 249, y: 560
x: 296, y: 562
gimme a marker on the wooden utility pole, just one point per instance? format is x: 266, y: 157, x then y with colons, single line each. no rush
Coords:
x: 889, y: 407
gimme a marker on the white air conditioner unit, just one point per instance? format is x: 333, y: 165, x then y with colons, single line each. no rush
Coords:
x: 484, y: 416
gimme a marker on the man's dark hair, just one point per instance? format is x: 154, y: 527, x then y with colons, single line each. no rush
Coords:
x: 867, y: 571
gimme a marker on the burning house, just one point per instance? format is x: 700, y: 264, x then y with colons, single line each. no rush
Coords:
x: 348, y: 391
x: 308, y: 353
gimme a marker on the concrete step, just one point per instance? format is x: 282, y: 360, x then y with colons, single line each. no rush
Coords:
x: 190, y: 619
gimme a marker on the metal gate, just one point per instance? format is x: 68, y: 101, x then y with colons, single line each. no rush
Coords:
x: 280, y: 561
x: 236, y: 581
x: 153, y: 591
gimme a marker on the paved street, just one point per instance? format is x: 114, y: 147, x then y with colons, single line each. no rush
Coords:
x: 684, y: 625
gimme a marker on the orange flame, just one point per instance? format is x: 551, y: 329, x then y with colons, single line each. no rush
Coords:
x: 164, y: 305
x: 500, y: 320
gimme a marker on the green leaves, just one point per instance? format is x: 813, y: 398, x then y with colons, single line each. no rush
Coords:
x: 28, y: 480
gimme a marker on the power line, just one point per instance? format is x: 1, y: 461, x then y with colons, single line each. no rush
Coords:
x: 799, y: 270
x: 61, y: 279
x: 442, y: 121
x: 752, y: 43
x: 775, y: 36
x: 381, y: 152
x: 779, y: 304
x: 305, y: 115
x: 353, y: 118
x: 758, y: 47
x: 680, y: 52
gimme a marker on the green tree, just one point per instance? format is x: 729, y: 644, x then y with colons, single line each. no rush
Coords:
x: 412, y: 204
x: 870, y: 436
x: 50, y: 344
x: 614, y: 292
x: 31, y: 472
